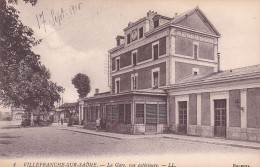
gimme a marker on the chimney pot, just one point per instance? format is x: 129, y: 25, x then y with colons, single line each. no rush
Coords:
x: 96, y: 91
x: 218, y: 61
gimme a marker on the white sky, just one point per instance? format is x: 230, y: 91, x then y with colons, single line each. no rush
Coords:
x: 80, y: 43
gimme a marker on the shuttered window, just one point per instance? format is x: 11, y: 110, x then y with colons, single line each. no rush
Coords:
x: 151, y: 113
x: 162, y: 114
x: 127, y: 113
x: 109, y: 113
x: 114, y: 114
x: 139, y: 114
x: 121, y: 114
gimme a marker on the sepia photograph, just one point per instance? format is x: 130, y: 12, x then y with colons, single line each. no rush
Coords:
x: 111, y: 83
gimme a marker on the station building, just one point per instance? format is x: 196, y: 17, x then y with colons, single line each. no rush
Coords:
x: 164, y: 77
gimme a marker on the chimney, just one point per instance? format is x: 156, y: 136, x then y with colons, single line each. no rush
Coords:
x: 218, y: 62
x: 96, y: 91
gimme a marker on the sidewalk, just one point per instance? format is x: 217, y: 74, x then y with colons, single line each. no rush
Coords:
x: 218, y: 141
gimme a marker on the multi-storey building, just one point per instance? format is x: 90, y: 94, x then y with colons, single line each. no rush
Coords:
x: 164, y: 76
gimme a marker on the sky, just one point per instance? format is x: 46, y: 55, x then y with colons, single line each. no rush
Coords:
x: 77, y: 34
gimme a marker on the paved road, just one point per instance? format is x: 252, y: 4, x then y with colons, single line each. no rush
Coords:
x: 51, y: 141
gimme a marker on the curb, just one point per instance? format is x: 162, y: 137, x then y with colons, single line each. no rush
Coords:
x: 166, y: 137
x: 216, y: 143
x: 119, y: 138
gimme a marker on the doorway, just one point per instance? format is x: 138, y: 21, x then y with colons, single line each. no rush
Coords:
x: 220, y: 118
x: 182, y: 117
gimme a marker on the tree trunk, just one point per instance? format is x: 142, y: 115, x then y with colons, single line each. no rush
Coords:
x: 32, y: 122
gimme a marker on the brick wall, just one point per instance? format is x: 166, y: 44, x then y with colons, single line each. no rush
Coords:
x: 253, y: 108
x: 205, y: 109
x: 185, y: 69
x: 193, y: 109
x: 184, y: 46
x: 171, y: 110
x: 125, y: 59
x: 234, y: 112
x: 144, y: 79
x: 162, y: 46
x: 145, y: 76
x: 206, y: 50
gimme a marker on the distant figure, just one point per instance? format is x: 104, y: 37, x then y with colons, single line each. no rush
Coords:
x: 61, y: 120
x: 98, y: 124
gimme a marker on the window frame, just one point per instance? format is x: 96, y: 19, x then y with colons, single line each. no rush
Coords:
x: 141, y: 33
x: 153, y: 71
x: 117, y: 63
x: 157, y: 20
x: 193, y: 51
x: 128, y: 38
x: 117, y: 90
x: 135, y: 76
x: 195, y: 70
x: 132, y: 57
x: 155, y: 43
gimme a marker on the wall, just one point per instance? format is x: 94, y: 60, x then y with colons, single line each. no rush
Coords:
x: 253, y: 108
x: 193, y: 109
x: 234, y: 111
x: 184, y: 46
x: 205, y: 109
x: 185, y: 69
x: 144, y: 79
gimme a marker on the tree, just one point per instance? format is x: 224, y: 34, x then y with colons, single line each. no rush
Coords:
x: 24, y: 81
x: 82, y: 84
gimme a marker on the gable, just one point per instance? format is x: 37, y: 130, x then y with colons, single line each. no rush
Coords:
x: 196, y: 22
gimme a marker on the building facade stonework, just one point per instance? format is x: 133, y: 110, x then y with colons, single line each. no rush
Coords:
x: 164, y: 77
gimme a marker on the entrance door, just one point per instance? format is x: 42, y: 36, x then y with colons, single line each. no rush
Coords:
x: 183, y: 117
x: 220, y: 118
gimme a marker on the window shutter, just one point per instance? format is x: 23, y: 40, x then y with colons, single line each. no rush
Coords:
x: 151, y: 113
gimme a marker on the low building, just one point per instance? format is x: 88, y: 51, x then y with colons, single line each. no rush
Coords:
x: 164, y: 76
x: 65, y: 111
x: 16, y: 114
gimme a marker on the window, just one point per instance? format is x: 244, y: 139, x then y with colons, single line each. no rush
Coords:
x: 162, y: 113
x: 141, y: 32
x: 195, y: 50
x: 139, y: 114
x: 118, y: 42
x: 155, y: 51
x: 127, y: 113
x: 151, y: 113
x: 121, y: 114
x: 109, y: 113
x: 117, y: 85
x: 117, y: 64
x: 155, y: 78
x: 134, y: 81
x: 128, y: 38
x: 134, y: 58
x: 156, y: 23
x: 195, y: 71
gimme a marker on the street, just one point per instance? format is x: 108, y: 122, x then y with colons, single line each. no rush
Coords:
x: 18, y: 142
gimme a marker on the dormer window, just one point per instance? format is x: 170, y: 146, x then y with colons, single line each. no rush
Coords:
x: 141, y: 32
x: 117, y: 42
x: 156, y: 23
